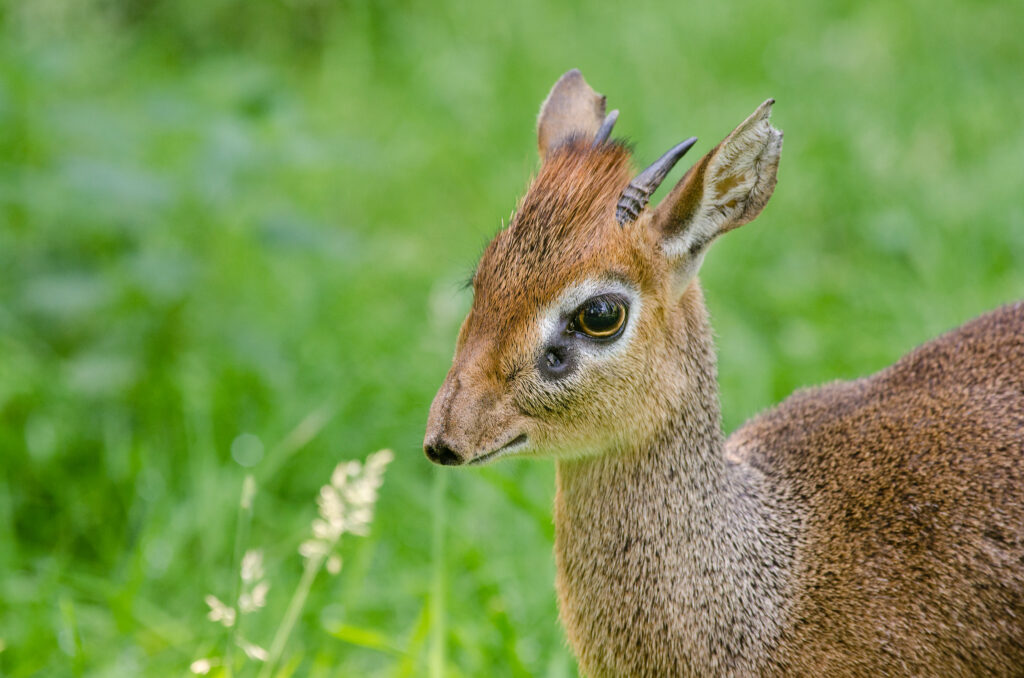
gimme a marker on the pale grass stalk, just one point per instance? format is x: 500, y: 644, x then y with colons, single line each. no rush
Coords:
x: 291, y: 615
x: 345, y: 505
x: 244, y: 524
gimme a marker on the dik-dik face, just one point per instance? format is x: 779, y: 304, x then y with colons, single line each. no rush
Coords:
x: 572, y: 342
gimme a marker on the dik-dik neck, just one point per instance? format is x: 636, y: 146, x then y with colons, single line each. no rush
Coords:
x: 671, y: 560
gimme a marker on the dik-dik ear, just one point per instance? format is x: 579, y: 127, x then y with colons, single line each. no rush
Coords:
x: 727, y: 188
x: 571, y: 109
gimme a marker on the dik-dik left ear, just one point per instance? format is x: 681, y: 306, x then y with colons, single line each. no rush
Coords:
x: 572, y: 109
x: 727, y: 188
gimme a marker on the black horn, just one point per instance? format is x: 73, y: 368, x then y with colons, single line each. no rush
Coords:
x: 605, y: 130
x: 635, y: 196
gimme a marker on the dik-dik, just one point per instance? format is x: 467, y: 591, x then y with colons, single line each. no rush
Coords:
x: 868, y: 528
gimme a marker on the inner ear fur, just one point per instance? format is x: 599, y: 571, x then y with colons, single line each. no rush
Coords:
x: 726, y: 188
x: 571, y: 109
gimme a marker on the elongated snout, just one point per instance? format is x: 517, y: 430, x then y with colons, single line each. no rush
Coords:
x: 437, y: 443
x: 470, y: 418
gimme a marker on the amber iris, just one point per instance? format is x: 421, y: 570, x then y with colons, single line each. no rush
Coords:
x: 601, y: 317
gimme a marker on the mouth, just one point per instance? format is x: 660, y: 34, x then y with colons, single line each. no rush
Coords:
x: 506, y: 449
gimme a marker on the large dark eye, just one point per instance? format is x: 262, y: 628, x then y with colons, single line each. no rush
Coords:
x: 600, y: 317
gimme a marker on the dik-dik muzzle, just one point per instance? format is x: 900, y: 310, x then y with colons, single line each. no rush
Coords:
x: 472, y: 419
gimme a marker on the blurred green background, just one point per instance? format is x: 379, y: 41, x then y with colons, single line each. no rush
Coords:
x: 225, y: 218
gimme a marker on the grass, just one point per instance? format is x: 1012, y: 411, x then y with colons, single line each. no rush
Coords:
x: 225, y: 219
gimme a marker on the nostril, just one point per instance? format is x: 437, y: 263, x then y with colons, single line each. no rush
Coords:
x: 439, y: 453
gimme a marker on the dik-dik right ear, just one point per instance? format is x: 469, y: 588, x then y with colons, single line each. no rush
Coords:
x: 572, y: 109
x: 727, y: 188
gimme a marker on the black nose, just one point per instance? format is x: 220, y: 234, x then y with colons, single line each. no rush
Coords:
x: 439, y: 453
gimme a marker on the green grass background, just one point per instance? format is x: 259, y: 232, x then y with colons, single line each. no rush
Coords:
x: 228, y: 217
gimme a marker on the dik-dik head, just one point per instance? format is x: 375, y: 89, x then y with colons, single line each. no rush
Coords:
x: 581, y: 307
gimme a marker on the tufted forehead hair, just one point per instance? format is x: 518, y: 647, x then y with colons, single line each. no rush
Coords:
x: 578, y: 183
x: 566, y: 216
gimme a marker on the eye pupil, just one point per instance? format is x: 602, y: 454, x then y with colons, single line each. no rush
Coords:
x: 601, y: 317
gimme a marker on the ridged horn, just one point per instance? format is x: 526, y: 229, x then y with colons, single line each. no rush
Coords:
x: 635, y: 196
x: 605, y: 130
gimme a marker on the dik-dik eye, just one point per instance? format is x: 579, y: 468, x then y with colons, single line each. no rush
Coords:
x: 600, y: 317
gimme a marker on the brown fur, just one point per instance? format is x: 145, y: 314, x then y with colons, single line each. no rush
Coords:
x: 867, y: 528
x: 911, y: 485
x: 564, y: 219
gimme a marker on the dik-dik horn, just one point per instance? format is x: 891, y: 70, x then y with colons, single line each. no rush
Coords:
x: 867, y: 528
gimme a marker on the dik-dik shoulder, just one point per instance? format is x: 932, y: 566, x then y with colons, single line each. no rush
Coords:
x: 908, y: 486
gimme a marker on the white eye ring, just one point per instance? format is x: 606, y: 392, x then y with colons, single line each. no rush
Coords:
x: 568, y: 304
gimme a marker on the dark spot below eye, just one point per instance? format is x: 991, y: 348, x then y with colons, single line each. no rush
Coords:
x: 555, y: 362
